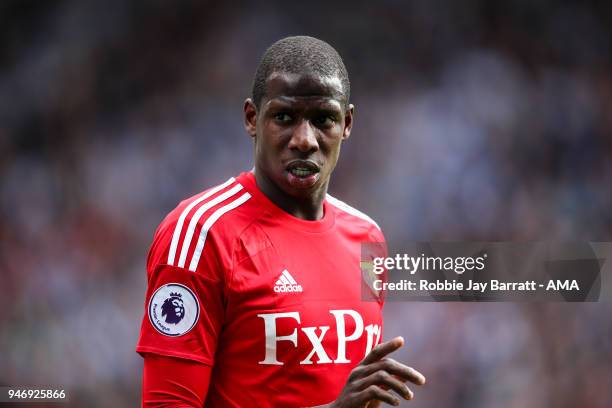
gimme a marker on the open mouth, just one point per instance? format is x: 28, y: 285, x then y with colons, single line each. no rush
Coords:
x: 303, y: 168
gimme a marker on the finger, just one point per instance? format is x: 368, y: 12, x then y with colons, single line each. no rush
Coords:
x: 374, y: 392
x: 383, y: 349
x: 395, y: 368
x: 386, y: 381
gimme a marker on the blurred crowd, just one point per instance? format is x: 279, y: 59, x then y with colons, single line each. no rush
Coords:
x: 475, y: 120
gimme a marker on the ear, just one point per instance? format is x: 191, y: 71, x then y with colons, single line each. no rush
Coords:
x: 250, y: 117
x: 348, y: 121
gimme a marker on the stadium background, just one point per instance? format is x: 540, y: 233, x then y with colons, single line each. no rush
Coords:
x: 474, y: 121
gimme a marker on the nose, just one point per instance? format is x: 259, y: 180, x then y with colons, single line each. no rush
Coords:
x: 304, y: 138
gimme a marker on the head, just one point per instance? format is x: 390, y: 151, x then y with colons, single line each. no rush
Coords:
x: 298, y: 115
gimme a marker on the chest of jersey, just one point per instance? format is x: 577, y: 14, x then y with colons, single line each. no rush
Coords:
x: 295, y: 312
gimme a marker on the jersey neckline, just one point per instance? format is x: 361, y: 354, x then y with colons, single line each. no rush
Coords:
x: 247, y: 179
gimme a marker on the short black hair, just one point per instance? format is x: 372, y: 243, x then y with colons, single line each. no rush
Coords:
x: 298, y: 55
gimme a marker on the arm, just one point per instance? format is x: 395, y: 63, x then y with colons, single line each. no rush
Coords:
x: 183, y: 314
x: 174, y: 382
x: 177, y: 366
x: 369, y: 383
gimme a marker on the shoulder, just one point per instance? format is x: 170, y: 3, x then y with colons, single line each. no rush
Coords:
x: 357, y: 220
x: 205, y: 225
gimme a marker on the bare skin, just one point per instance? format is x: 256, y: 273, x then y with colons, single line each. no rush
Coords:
x: 371, y: 382
x: 302, y: 121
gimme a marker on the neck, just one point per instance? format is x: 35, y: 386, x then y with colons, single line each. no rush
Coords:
x: 309, y: 207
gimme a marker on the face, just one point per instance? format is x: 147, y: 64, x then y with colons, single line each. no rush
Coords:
x: 298, y: 131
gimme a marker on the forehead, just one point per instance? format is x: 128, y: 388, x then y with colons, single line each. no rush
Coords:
x: 284, y: 86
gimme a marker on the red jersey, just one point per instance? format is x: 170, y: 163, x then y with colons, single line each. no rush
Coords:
x: 272, y: 302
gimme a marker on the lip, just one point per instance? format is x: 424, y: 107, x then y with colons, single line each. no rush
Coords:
x: 306, y: 164
x: 303, y: 182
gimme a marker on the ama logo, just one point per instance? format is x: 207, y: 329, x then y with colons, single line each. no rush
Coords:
x: 174, y: 309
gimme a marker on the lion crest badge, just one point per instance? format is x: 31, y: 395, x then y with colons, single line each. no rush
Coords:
x: 174, y: 309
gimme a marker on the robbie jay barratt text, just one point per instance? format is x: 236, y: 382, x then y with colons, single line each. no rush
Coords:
x: 493, y: 285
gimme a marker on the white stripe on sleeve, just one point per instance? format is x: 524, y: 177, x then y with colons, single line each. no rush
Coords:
x: 208, y: 225
x: 196, y: 217
x: 353, y: 211
x: 179, y: 225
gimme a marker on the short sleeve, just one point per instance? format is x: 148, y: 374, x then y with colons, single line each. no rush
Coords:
x: 184, y: 310
x: 183, y: 315
x: 375, y: 247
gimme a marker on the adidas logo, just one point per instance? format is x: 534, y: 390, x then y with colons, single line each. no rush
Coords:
x: 286, y: 283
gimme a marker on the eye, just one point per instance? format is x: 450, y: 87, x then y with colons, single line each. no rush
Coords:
x: 282, y: 117
x: 325, y: 121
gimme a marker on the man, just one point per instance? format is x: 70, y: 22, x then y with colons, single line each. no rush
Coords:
x: 254, y: 286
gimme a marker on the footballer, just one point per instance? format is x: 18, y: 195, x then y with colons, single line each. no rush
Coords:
x: 254, y: 292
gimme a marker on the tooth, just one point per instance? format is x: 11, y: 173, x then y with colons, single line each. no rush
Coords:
x: 301, y: 171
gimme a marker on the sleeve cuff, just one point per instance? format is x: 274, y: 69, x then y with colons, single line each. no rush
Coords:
x: 170, y: 353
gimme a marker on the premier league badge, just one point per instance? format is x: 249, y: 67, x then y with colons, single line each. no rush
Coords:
x: 174, y: 309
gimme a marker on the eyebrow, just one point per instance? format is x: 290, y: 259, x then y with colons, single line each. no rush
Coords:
x: 324, y: 105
